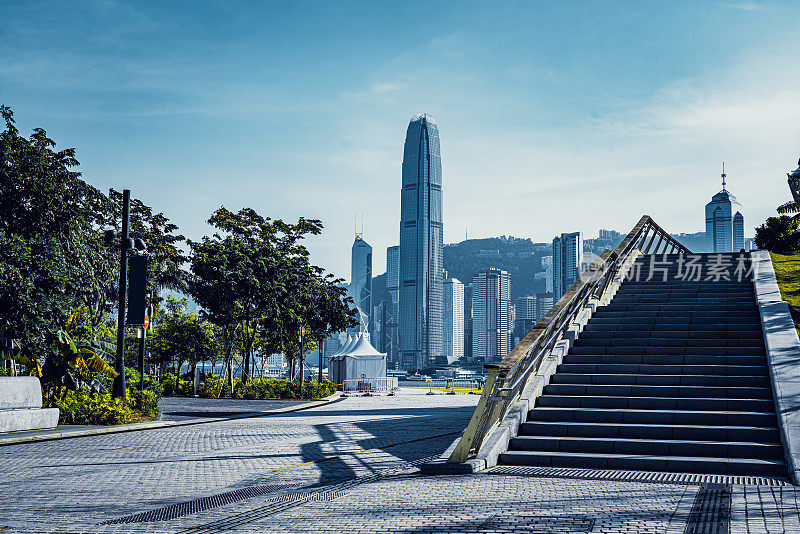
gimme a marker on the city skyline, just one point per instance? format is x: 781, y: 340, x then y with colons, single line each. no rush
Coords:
x: 266, y: 107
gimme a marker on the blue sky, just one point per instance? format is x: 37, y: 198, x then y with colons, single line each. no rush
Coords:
x: 554, y: 116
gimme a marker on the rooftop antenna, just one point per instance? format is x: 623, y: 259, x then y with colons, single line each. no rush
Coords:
x: 723, y: 176
x: 362, y: 223
x: 355, y: 224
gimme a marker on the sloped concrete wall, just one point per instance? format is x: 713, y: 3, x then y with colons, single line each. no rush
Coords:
x: 783, y: 357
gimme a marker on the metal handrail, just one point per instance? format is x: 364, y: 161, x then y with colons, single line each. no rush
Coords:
x: 506, y: 380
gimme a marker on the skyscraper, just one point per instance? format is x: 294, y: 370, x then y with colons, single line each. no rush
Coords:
x: 724, y: 228
x: 361, y: 276
x: 544, y: 301
x: 453, y: 320
x: 421, y: 247
x: 524, y: 317
x: 491, y: 303
x: 393, y: 305
x: 567, y: 259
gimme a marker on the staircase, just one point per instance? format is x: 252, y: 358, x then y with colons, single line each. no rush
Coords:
x: 671, y: 376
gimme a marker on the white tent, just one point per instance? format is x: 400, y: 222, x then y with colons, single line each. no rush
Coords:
x: 359, y: 361
x: 333, y: 361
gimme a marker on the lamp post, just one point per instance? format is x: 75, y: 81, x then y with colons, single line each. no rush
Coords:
x: 136, y: 301
x: 118, y: 389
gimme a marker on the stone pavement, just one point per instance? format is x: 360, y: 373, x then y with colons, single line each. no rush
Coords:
x: 349, y: 466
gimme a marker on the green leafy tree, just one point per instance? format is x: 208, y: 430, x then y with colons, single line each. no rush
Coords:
x: 779, y: 234
x: 49, y: 226
x: 329, y: 309
x: 181, y: 336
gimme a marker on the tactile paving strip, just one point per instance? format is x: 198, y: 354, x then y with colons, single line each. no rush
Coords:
x: 636, y: 476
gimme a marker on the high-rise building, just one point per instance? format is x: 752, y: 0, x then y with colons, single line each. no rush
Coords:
x: 393, y: 305
x: 379, y: 331
x: 361, y: 276
x: 525, y: 317
x: 547, y: 265
x: 491, y: 303
x: 421, y: 247
x: 468, y: 323
x: 544, y: 301
x: 724, y: 228
x: 567, y: 260
x: 453, y: 320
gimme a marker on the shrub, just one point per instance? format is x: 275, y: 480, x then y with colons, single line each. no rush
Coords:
x: 174, y: 385
x: 779, y: 234
x: 144, y: 402
x: 210, y: 386
x: 317, y: 390
x: 83, y: 408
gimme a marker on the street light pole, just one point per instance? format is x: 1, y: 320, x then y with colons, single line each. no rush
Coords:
x: 118, y: 389
x: 302, y: 333
x: 321, y: 351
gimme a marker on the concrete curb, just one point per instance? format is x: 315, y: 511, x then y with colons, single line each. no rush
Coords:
x: 56, y: 433
x: 783, y: 356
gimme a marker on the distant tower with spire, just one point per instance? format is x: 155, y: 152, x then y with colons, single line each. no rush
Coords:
x: 724, y: 221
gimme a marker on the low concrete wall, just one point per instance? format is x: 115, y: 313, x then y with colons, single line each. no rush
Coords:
x: 20, y: 392
x: 783, y: 357
x: 21, y: 405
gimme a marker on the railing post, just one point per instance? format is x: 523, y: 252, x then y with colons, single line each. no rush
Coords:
x: 462, y: 450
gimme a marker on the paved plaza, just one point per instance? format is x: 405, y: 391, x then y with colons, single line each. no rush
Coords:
x: 347, y: 466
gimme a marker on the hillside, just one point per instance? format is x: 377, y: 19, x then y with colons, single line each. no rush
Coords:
x: 522, y: 258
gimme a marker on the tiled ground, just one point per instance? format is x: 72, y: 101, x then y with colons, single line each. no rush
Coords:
x: 344, y: 467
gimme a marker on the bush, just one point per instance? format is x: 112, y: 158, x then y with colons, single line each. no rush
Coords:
x: 145, y: 402
x: 174, y: 385
x: 210, y: 386
x: 779, y: 234
x: 83, y: 408
x: 263, y: 388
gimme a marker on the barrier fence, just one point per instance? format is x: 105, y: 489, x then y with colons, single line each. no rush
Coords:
x: 370, y: 385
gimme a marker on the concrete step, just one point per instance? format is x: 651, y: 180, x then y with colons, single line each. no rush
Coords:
x: 629, y: 430
x: 679, y: 464
x: 706, y: 316
x: 652, y: 417
x: 678, y: 322
x: 663, y: 369
x: 666, y: 359
x: 684, y: 307
x: 727, y: 352
x: 690, y: 329
x: 662, y: 380
x: 699, y: 404
x: 666, y: 392
x: 641, y: 446
x: 591, y: 340
x: 684, y: 335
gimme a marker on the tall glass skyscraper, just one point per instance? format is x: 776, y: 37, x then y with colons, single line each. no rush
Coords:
x: 421, y: 246
x: 361, y: 275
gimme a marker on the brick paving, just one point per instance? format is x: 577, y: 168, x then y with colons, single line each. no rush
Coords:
x: 349, y: 467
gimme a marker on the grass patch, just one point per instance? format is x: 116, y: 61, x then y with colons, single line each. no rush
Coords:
x: 787, y: 272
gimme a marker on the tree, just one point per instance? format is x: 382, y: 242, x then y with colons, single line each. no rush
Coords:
x: 779, y: 234
x: 49, y: 226
x: 329, y: 310
x: 181, y: 336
